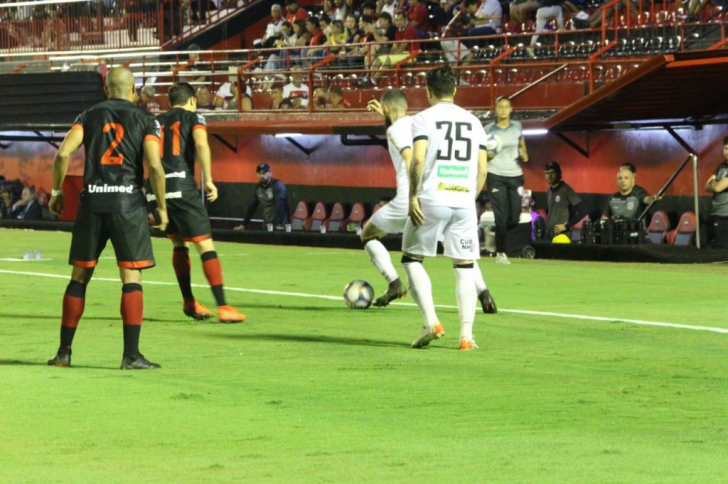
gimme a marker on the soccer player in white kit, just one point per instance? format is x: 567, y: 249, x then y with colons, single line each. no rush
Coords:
x: 448, y: 170
x: 391, y: 218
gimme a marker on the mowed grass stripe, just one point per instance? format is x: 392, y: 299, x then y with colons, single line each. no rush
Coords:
x: 443, y: 306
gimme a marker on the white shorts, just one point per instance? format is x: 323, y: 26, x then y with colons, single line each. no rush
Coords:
x: 391, y: 217
x: 456, y: 227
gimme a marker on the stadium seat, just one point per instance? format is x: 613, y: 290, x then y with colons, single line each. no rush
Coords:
x: 300, y: 218
x: 316, y: 220
x: 659, y: 226
x: 356, y: 217
x: 683, y: 234
x: 335, y: 223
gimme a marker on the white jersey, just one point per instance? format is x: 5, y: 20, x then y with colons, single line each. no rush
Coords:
x: 455, y: 138
x: 399, y: 136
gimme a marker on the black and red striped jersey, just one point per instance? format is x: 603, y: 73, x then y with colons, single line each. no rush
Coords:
x: 178, y: 147
x: 114, y: 132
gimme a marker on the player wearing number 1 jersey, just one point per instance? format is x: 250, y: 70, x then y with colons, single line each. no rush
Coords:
x: 117, y: 136
x: 449, y: 167
x: 184, y: 134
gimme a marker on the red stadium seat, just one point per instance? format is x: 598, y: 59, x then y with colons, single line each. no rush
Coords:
x: 356, y: 217
x: 659, y: 226
x: 686, y: 227
x: 335, y: 223
x: 316, y: 220
x: 300, y: 218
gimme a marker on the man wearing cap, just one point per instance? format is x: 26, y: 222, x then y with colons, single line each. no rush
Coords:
x: 271, y: 194
x: 565, y: 208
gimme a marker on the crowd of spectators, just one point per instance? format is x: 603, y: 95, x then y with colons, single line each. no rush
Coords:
x: 20, y: 202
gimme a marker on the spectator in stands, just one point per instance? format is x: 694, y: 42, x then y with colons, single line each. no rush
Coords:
x: 548, y: 9
x: 270, y: 193
x: 462, y: 21
x: 27, y: 208
x: 352, y: 8
x: 357, y: 55
x: 148, y: 101
x: 335, y: 9
x: 389, y: 6
x: 337, y: 39
x: 6, y: 201
x: 276, y: 95
x: 296, y: 89
x: 226, y: 96
x: 486, y: 21
x: 286, y: 39
x: 631, y: 200
x: 521, y: 11
x: 272, y: 30
x: 194, y: 63
x: 317, y: 38
x: 301, y: 39
x: 718, y: 185
x: 199, y: 10
x: 336, y: 98
x: 369, y: 8
x: 204, y: 99
x: 419, y: 18
x: 565, y: 208
x: 406, y: 38
x: 295, y: 12
x: 696, y: 7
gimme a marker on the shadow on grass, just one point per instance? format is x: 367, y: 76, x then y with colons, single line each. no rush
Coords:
x: 298, y: 338
x: 43, y: 363
x: 243, y: 307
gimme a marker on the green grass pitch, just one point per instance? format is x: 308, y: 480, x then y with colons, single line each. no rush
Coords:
x: 310, y: 391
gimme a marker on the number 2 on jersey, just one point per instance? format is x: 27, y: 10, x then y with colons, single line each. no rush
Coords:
x: 108, y: 158
x: 460, y: 155
x: 174, y: 127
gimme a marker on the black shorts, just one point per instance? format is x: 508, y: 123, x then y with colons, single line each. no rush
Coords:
x: 128, y: 231
x: 187, y: 217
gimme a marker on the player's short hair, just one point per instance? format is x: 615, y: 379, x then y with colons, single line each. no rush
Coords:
x: 180, y: 93
x: 441, y: 82
x: 628, y: 166
x: 725, y: 141
x: 503, y: 98
x: 394, y: 98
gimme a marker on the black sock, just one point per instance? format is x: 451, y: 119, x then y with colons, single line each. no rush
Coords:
x: 131, y: 339
x: 67, y: 335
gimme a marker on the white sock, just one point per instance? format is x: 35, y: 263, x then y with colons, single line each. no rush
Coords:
x: 380, y: 258
x: 467, y: 299
x: 421, y: 290
x: 479, y: 281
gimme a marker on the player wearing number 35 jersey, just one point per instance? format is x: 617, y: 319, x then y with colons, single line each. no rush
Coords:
x: 184, y: 135
x: 117, y: 136
x: 449, y: 167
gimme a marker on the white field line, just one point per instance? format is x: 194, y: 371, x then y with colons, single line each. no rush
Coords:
x: 336, y: 298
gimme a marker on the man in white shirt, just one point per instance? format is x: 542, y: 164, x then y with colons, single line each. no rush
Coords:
x: 449, y: 167
x: 296, y: 89
x: 273, y: 29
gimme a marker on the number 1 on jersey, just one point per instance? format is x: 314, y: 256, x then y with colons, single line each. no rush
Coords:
x: 174, y: 127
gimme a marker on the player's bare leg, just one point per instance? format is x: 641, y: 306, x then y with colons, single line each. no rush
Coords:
x: 132, y: 314
x: 74, y: 301
x: 381, y: 259
x: 182, y: 269
x: 213, y: 272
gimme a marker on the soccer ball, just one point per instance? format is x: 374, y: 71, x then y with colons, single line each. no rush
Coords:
x: 358, y: 294
x: 493, y: 144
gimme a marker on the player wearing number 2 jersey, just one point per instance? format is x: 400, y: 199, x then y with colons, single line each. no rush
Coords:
x: 449, y: 167
x: 184, y: 134
x: 117, y: 136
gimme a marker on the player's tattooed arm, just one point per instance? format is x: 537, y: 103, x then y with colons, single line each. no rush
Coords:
x: 416, y: 170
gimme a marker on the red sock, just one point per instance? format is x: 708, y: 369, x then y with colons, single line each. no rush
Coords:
x: 132, y: 313
x: 213, y: 273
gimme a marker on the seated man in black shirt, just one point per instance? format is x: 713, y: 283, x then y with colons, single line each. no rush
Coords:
x: 271, y: 194
x: 565, y: 208
x: 631, y: 200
